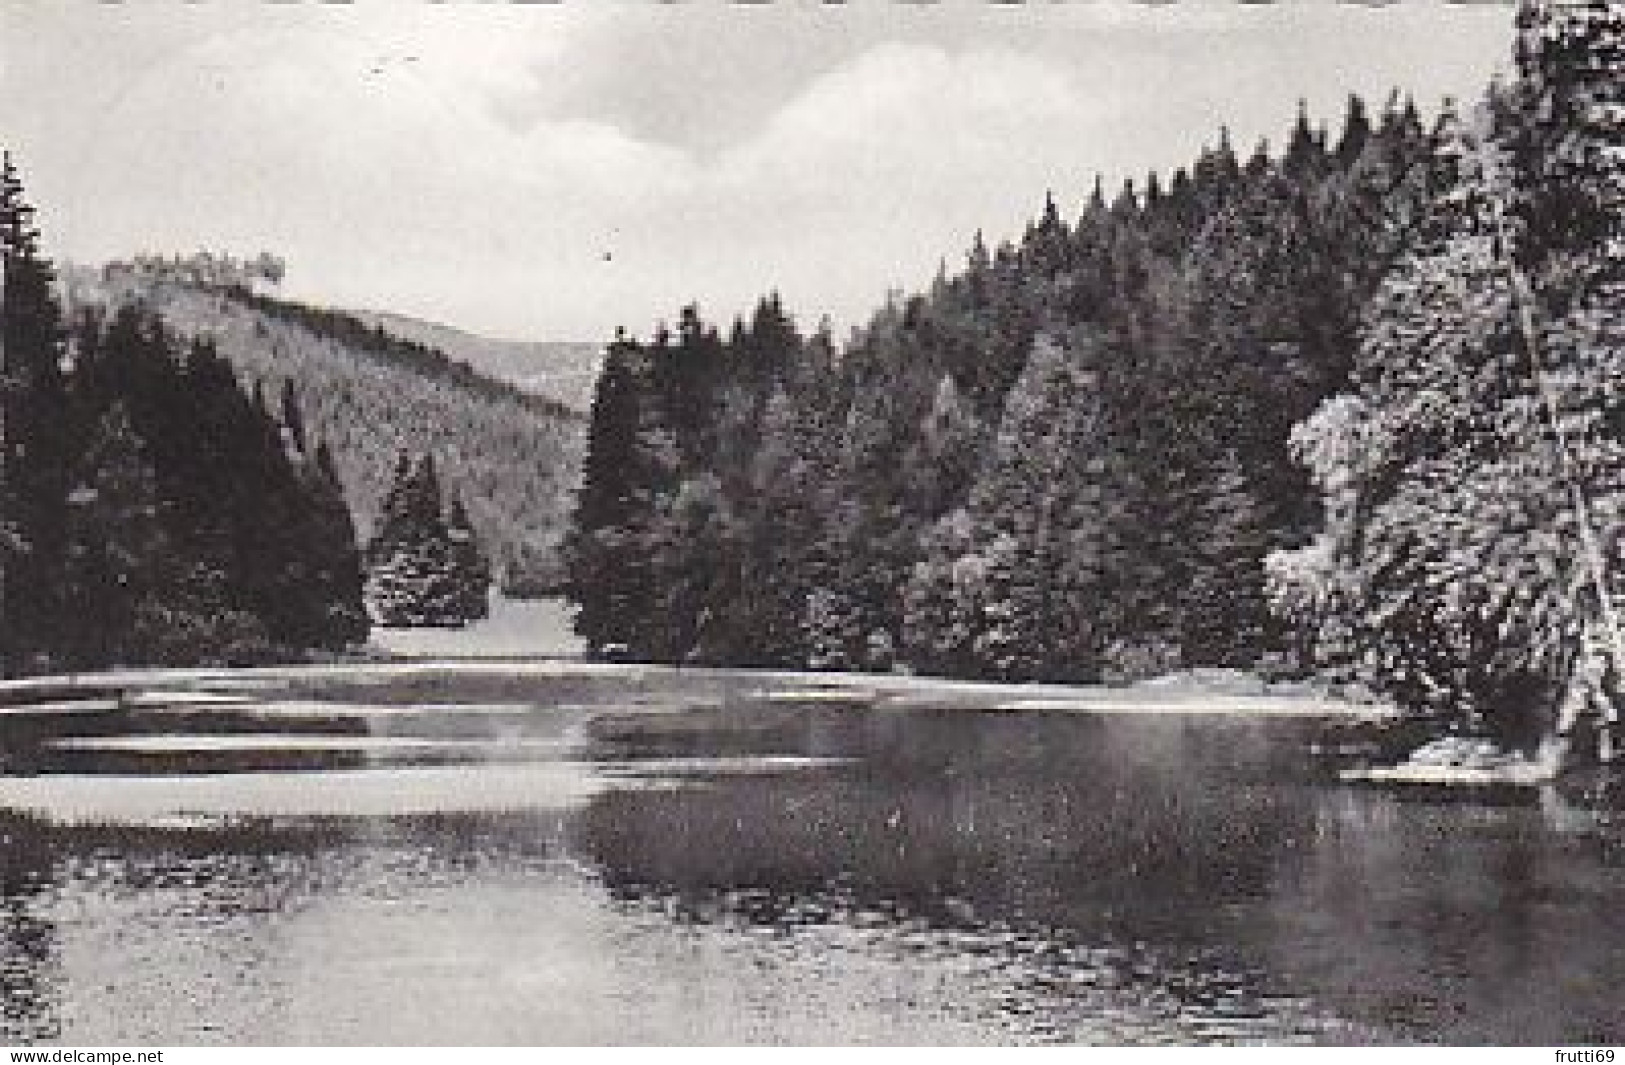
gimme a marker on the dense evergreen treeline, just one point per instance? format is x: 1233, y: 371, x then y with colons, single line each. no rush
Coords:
x: 156, y: 512
x: 512, y: 458
x: 1066, y: 460
x: 420, y: 359
x: 1078, y: 456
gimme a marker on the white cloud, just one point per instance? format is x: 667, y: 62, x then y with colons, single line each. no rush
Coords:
x: 882, y: 166
x: 894, y: 100
x: 427, y: 158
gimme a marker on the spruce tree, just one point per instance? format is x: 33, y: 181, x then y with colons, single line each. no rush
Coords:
x: 411, y: 567
x: 120, y: 559
x: 338, y: 614
x: 614, y: 551
x: 1005, y: 589
x: 469, y: 564
x: 36, y: 440
x: 1356, y: 133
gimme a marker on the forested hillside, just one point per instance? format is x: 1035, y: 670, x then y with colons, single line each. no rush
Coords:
x: 564, y: 371
x: 1065, y: 459
x: 511, y: 457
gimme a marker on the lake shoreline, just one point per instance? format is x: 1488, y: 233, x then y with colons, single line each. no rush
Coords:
x: 1173, y: 695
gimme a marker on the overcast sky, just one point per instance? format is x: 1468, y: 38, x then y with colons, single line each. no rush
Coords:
x: 552, y: 172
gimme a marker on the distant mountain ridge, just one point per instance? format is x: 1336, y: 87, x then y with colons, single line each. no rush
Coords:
x: 562, y: 370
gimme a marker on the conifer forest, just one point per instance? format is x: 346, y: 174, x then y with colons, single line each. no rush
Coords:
x: 1346, y: 404
x: 1343, y: 405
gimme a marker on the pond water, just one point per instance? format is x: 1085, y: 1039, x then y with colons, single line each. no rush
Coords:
x: 632, y: 857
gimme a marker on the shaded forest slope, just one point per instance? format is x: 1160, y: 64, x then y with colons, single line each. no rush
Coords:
x: 560, y: 370
x: 512, y: 457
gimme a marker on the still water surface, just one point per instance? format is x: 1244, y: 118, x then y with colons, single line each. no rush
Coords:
x: 624, y: 857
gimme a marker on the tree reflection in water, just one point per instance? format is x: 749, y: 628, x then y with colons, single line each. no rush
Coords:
x: 30, y: 966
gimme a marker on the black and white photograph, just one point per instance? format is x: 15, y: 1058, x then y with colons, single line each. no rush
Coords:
x: 805, y: 523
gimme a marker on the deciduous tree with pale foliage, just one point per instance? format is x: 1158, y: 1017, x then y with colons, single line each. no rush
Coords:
x: 1475, y: 478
